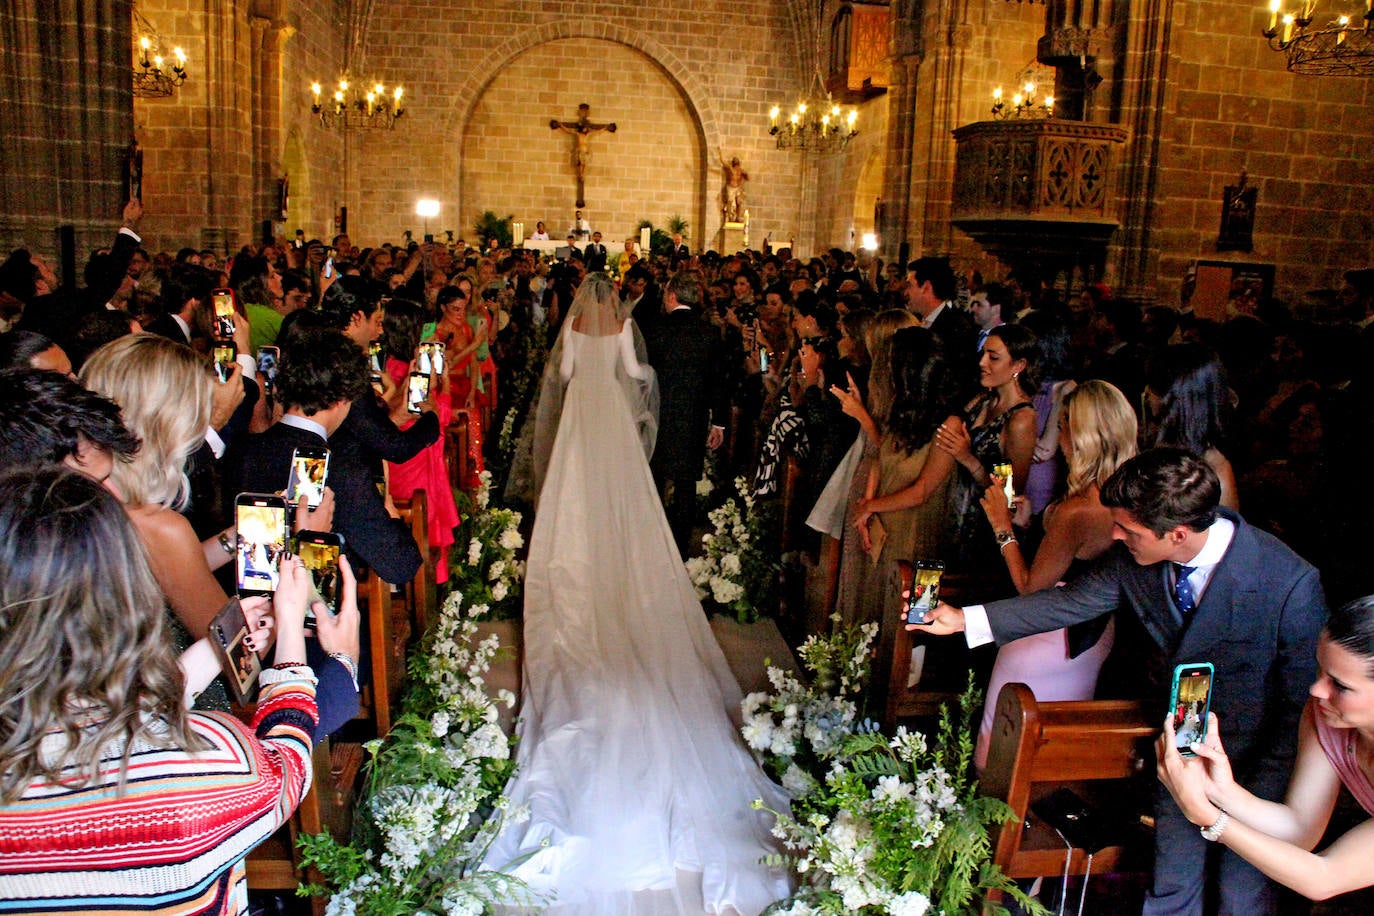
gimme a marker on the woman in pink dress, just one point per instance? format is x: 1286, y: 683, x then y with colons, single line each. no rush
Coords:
x: 428, y: 470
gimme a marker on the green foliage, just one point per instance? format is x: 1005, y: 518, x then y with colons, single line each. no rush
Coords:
x: 491, y: 226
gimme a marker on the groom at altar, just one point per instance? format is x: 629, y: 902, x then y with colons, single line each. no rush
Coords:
x: 693, y: 403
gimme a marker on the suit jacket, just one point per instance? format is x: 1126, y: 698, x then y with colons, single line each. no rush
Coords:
x: 57, y: 315
x: 686, y: 354
x: 166, y: 326
x: 1257, y: 623
x: 680, y: 254
x: 371, y: 536
x: 957, y: 335
x: 594, y: 256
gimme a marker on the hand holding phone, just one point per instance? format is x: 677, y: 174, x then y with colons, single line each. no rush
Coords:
x: 309, y: 471
x: 338, y: 632
x: 229, y: 637
x: 226, y: 357
x: 1190, y: 701
x: 260, y: 523
x: 223, y: 302
x: 320, y: 551
x: 417, y: 392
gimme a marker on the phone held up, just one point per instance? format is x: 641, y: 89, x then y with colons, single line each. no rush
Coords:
x: 225, y: 353
x: 319, y: 552
x: 1190, y: 700
x: 241, y: 665
x: 223, y: 302
x: 309, y: 472
x: 432, y: 357
x: 417, y: 392
x: 260, y: 520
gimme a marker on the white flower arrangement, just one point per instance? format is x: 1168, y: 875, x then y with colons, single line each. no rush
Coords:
x: 877, y: 824
x: 489, y: 571
x: 432, y: 804
x: 736, y: 574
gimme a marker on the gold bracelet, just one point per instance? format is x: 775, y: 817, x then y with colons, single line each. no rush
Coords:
x: 225, y: 543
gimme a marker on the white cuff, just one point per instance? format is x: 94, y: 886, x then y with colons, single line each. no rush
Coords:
x: 977, y: 629
x: 216, y: 444
x: 125, y: 230
x: 250, y: 366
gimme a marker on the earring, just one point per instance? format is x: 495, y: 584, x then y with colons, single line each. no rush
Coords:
x: 1015, y: 375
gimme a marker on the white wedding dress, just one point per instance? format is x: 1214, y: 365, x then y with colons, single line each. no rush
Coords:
x: 629, y: 756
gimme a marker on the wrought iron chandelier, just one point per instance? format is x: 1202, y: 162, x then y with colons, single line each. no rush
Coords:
x: 353, y: 108
x: 152, y: 77
x: 1025, y: 103
x: 815, y: 124
x: 1324, y: 37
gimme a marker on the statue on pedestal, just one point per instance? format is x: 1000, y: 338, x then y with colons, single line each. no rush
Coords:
x: 732, y: 195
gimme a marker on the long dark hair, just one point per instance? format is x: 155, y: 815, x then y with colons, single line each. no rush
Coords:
x: 1192, y: 382
x: 1021, y: 344
x: 1351, y: 626
x: 402, y: 327
x: 924, y: 388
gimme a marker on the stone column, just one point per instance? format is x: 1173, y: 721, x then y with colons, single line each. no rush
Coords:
x: 906, y: 56
x: 270, y: 34
x: 67, y: 119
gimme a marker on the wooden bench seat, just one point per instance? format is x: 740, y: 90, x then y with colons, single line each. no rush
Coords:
x: 1100, y: 748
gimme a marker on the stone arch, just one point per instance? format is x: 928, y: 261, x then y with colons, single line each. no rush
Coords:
x: 469, y: 91
x: 296, y: 164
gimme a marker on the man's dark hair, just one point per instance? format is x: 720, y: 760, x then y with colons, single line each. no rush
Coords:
x: 348, y: 296
x: 294, y: 281
x: 19, y: 347
x: 185, y: 282
x: 782, y: 291
x: 319, y: 369
x: 19, y: 275
x: 44, y: 416
x: 1164, y: 488
x: 1000, y: 296
x: 639, y: 272
x: 96, y: 330
x: 184, y: 255
x: 938, y: 273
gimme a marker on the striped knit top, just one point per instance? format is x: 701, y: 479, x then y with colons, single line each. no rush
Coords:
x: 174, y: 841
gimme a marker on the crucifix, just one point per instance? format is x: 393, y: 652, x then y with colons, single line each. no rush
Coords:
x: 581, y: 130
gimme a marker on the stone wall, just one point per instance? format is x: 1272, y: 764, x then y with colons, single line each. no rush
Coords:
x: 1304, y: 142
x: 700, y: 76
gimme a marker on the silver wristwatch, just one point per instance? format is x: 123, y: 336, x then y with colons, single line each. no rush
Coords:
x: 1213, y: 833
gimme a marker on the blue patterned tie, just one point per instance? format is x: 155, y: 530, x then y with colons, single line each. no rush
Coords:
x: 1183, y: 592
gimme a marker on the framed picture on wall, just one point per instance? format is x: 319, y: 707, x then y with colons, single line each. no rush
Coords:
x: 1225, y: 289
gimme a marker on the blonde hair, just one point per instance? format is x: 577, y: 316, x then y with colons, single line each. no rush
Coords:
x: 1102, y: 434
x: 163, y: 390
x: 77, y: 588
x: 878, y: 340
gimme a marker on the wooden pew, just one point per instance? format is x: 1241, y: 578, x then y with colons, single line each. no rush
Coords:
x: 419, y: 595
x: 456, y: 450
x: 386, y: 657
x: 1038, y: 747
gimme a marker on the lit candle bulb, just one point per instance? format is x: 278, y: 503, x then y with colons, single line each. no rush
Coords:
x: 1030, y: 89
x: 853, y: 117
x: 801, y: 108
x: 343, y: 85
x: 145, y: 44
x: 773, y: 115
x: 339, y: 96
x: 157, y: 62
x: 1016, y: 100
x: 1274, y: 7
x: 397, y: 97
x: 834, y: 111
x: 1288, y: 28
x: 1049, y: 104
x: 315, y: 88
x: 1343, y: 21
x: 180, y: 56
x: 997, y: 94
x: 795, y: 119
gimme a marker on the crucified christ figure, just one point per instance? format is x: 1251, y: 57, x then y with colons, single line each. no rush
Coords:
x: 581, y: 130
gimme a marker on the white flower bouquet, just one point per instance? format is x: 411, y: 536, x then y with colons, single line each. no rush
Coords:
x: 739, y: 570
x: 488, y: 570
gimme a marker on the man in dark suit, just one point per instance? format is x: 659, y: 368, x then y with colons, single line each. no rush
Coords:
x: 185, y: 288
x: 930, y: 291
x: 686, y: 355
x: 594, y: 253
x: 1200, y: 585
x: 321, y: 376
x: 641, y: 297
x: 678, y: 254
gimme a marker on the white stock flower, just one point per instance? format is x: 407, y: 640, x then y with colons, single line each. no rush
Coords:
x: 511, y: 539
x: 730, y: 565
x: 797, y: 781
x: 474, y: 551
x: 912, y: 903
x: 438, y: 724
x: 724, y: 591
x: 891, y: 790
x: 499, y: 591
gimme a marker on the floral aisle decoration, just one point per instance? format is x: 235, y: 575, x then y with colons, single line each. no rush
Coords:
x: 432, y: 802
x: 484, y: 562
x: 877, y: 824
x: 519, y: 383
x: 738, y: 572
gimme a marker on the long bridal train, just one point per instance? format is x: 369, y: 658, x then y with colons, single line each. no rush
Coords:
x: 639, y: 786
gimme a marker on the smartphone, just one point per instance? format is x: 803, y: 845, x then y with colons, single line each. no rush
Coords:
x: 1005, y: 471
x: 417, y: 392
x: 268, y: 358
x: 432, y: 357
x: 225, y: 354
x: 319, y: 552
x: 260, y: 520
x: 309, y: 471
x: 925, y: 591
x: 1190, y: 700
x: 241, y: 665
x: 223, y: 302
x: 328, y: 271
x: 763, y: 360
x: 300, y: 238
x: 374, y: 361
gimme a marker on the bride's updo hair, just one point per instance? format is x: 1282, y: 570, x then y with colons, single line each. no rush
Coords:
x: 596, y: 309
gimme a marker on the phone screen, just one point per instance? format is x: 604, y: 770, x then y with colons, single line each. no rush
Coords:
x: 925, y: 591
x: 417, y: 392
x: 309, y: 471
x: 260, y: 521
x: 319, y: 553
x: 1190, y: 700
x: 224, y: 355
x: 267, y: 363
x: 329, y: 268
x: 223, y: 300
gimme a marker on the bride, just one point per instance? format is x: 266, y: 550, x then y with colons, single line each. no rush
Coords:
x: 638, y: 784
